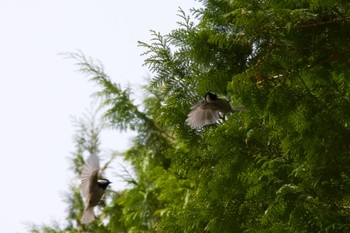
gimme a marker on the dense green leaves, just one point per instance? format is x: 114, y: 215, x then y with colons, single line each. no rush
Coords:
x: 281, y: 166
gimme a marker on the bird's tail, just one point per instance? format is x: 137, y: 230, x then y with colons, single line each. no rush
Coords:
x: 239, y: 108
x: 88, y: 215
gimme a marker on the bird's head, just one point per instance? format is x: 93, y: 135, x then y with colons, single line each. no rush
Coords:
x: 209, y: 97
x: 103, y: 183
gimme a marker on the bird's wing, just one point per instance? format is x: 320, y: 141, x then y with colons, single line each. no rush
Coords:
x: 89, y: 174
x: 204, y: 114
x: 223, y: 105
x: 198, y: 104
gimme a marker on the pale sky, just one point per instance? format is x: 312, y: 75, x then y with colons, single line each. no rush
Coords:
x: 40, y: 91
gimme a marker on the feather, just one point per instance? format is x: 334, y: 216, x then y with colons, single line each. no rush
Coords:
x: 208, y: 110
x: 200, y: 103
x: 93, y: 161
x: 89, y: 174
x: 223, y: 106
x: 92, y: 188
x: 205, y: 114
x: 88, y: 215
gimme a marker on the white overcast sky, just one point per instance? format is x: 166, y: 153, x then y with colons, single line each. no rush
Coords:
x: 40, y: 91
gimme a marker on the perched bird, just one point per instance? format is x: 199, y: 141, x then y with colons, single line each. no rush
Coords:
x: 92, y: 187
x: 209, y: 110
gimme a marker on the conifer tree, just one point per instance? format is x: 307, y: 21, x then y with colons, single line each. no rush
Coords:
x: 281, y: 166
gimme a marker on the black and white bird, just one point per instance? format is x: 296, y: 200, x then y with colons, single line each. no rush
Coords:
x: 92, y: 187
x: 210, y: 110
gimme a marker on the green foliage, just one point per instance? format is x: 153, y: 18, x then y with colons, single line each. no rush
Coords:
x: 281, y: 166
